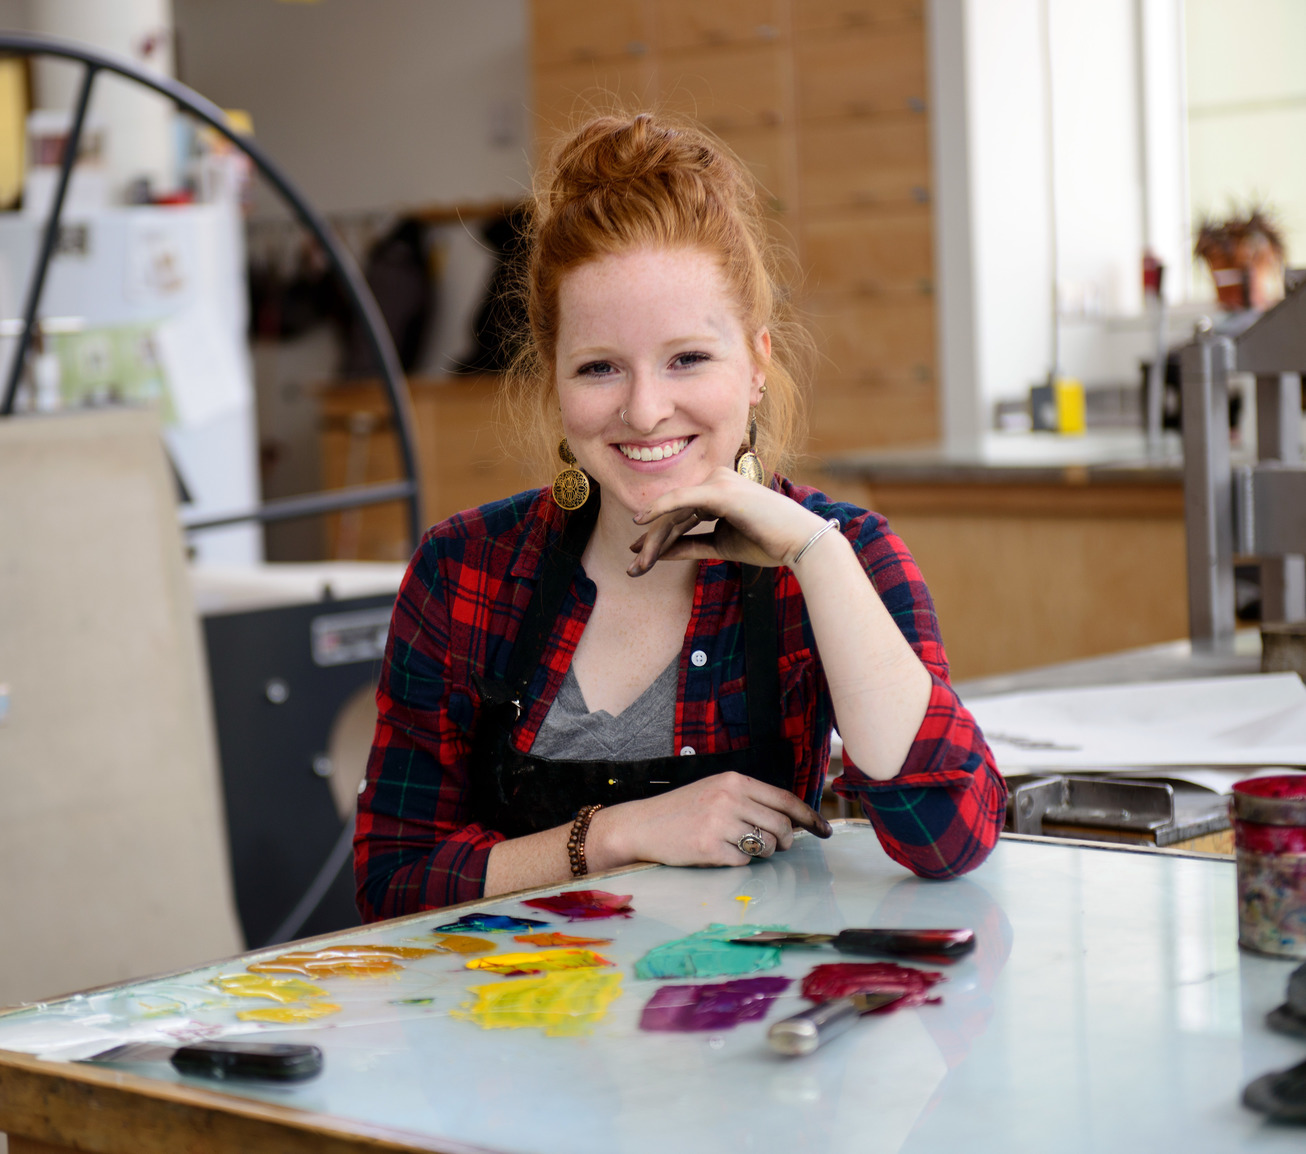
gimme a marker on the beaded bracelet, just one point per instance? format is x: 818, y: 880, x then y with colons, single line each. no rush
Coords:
x: 576, y: 840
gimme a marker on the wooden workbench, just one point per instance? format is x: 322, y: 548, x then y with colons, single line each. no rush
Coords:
x: 1107, y: 1006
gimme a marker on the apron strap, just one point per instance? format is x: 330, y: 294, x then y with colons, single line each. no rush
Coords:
x: 545, y: 605
x: 761, y: 653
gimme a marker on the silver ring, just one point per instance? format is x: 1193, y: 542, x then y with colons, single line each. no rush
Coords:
x: 623, y: 417
x: 752, y: 843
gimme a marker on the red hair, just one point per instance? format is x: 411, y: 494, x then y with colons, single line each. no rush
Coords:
x: 622, y: 183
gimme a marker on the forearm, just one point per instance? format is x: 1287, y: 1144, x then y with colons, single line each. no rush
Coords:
x: 540, y: 859
x: 878, y: 686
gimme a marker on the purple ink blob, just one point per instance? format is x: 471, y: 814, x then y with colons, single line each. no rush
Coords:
x: 721, y: 1006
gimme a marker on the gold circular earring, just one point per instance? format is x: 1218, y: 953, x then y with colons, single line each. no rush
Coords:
x: 571, y: 488
x: 747, y: 463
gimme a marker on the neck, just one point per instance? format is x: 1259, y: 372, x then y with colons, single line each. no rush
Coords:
x: 607, y: 557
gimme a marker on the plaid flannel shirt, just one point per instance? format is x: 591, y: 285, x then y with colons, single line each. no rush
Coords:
x: 418, y: 846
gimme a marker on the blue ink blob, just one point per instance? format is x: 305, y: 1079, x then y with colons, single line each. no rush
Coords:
x: 488, y: 924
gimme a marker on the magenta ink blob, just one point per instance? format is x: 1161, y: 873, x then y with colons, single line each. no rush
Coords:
x: 581, y: 905
x: 839, y: 979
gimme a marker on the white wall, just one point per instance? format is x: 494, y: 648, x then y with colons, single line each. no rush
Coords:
x: 138, y: 123
x: 1062, y: 135
x: 372, y: 104
x: 1247, y: 111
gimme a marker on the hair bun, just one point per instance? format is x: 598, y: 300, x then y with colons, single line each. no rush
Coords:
x: 616, y: 157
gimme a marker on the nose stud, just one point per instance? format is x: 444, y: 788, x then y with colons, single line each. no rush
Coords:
x: 623, y: 417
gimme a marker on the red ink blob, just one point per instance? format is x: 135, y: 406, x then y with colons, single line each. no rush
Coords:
x: 583, y: 904
x: 721, y: 1006
x: 839, y: 979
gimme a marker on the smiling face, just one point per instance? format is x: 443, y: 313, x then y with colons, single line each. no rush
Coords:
x: 654, y: 333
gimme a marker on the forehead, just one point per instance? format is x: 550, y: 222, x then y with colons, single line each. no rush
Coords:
x: 646, y: 287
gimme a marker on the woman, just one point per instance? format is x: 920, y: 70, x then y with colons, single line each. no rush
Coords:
x: 644, y: 662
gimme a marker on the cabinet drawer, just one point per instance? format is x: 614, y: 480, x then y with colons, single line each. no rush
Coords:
x: 849, y: 415
x: 565, y: 94
x: 689, y: 24
x: 770, y: 155
x: 818, y: 16
x: 728, y: 89
x: 876, y: 339
x: 862, y: 74
x: 881, y: 161
x: 869, y: 254
x: 576, y: 31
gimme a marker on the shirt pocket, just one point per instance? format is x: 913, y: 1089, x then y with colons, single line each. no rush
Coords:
x: 796, y: 673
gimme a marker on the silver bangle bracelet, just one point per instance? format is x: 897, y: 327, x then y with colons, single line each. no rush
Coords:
x: 832, y: 523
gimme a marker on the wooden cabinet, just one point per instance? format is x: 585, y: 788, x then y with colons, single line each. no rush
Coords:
x: 689, y: 24
x: 878, y: 162
x: 569, y: 32
x: 866, y: 71
x: 853, y: 15
x: 1025, y: 574
x: 462, y: 460
x: 827, y: 102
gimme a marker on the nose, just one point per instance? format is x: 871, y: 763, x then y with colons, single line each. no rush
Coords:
x: 647, y: 403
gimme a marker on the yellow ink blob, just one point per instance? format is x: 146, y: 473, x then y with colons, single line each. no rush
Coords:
x: 337, y: 961
x: 289, y: 1014
x: 745, y: 898
x: 562, y: 1005
x: 257, y: 986
x: 539, y: 962
x: 462, y: 944
x: 556, y: 939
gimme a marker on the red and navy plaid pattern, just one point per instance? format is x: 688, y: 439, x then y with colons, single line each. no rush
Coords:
x: 458, y: 612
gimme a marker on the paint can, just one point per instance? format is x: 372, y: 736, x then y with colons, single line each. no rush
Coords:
x: 1269, y: 830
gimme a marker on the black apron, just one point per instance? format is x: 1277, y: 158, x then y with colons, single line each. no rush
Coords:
x: 517, y: 793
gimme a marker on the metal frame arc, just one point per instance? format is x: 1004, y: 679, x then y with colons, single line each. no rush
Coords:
x: 356, y: 289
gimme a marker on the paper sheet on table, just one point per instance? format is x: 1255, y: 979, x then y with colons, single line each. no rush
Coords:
x: 1234, y: 721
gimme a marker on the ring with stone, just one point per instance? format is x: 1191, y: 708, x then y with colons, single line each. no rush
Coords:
x: 752, y: 843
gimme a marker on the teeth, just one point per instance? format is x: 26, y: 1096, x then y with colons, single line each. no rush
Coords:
x: 654, y: 453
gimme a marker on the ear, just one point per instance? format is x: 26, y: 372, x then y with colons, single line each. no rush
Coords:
x: 761, y: 359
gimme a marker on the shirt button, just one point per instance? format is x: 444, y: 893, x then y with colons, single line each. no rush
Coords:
x: 687, y: 751
x: 699, y: 658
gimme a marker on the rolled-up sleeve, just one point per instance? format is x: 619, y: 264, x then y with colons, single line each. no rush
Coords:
x: 942, y: 814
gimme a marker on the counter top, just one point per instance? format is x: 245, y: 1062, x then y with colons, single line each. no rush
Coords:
x: 1118, y: 457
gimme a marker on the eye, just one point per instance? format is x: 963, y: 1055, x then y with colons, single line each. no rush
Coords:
x: 595, y: 369
x: 689, y: 360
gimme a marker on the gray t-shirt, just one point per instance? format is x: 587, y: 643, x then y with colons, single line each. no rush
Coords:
x: 645, y: 728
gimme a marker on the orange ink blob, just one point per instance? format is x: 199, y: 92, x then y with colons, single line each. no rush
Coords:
x: 340, y: 961
x: 462, y: 944
x: 556, y: 939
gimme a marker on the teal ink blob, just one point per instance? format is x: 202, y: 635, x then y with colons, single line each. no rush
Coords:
x: 709, y: 954
x: 489, y: 924
x: 412, y: 1001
